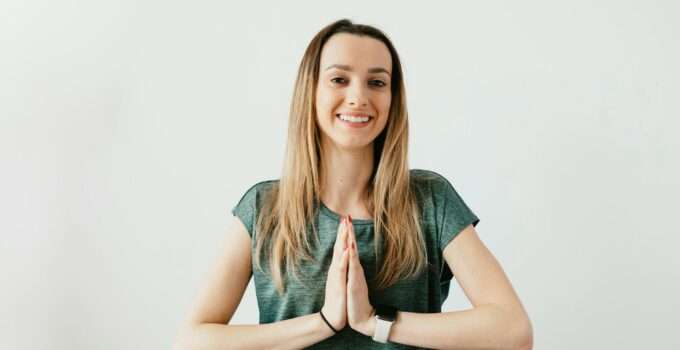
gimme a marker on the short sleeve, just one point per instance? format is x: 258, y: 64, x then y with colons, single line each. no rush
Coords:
x: 456, y: 215
x: 246, y: 210
x: 248, y: 206
x: 453, y: 215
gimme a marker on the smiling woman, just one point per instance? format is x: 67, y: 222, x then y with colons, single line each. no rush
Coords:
x: 350, y: 247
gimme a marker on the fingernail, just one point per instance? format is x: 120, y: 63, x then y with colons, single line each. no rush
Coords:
x: 353, y: 245
x: 350, y: 218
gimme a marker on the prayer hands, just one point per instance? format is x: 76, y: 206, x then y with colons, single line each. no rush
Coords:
x: 346, y: 289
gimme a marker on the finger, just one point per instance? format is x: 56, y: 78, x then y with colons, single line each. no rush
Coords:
x: 343, y: 266
x: 346, y: 234
x: 350, y: 239
x: 340, y: 227
x: 341, y: 237
x: 343, y: 233
x: 355, y: 273
x: 344, y: 261
x: 352, y: 257
x: 353, y: 237
x: 354, y: 262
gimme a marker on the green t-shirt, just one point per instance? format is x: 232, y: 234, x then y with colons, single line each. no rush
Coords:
x: 443, y: 215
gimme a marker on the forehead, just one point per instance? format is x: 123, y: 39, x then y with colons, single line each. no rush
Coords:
x: 360, y: 52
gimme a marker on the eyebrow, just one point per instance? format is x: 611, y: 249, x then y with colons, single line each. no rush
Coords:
x: 349, y: 68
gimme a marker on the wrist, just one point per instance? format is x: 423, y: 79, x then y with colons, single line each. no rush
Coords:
x: 322, y: 327
x: 368, y: 326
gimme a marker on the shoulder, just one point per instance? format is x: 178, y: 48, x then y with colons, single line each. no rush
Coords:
x: 428, y: 179
x: 450, y: 213
x: 435, y: 190
x: 261, y: 187
x: 247, y: 208
x: 256, y: 193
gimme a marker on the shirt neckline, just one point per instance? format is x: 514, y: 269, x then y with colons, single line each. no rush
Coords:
x: 337, y: 216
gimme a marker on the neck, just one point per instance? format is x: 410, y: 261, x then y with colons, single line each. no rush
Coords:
x: 346, y: 176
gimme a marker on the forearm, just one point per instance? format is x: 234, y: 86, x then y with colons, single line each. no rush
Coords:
x: 294, y: 333
x: 484, y: 327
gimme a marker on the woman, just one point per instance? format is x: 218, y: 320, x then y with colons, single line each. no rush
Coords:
x: 377, y: 277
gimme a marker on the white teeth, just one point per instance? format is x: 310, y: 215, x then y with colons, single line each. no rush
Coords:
x: 349, y: 118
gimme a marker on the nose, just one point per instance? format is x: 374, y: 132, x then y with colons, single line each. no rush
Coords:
x: 356, y: 95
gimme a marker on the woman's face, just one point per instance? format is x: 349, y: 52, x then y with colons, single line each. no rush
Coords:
x: 354, y: 80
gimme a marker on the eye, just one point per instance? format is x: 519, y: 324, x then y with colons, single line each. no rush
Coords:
x: 380, y: 83
x: 333, y: 80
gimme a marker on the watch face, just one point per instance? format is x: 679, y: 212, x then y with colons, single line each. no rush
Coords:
x: 386, y: 312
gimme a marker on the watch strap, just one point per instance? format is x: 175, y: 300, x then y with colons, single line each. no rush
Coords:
x: 382, y: 330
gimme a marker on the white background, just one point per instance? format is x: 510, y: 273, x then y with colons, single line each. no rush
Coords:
x: 129, y: 129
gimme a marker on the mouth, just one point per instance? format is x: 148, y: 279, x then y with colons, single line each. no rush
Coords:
x: 354, y: 121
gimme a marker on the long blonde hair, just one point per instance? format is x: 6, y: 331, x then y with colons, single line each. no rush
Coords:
x: 292, y: 203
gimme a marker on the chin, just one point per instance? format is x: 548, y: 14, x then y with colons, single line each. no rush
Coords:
x: 353, y: 146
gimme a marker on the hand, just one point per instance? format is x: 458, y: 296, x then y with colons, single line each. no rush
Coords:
x: 359, y: 309
x: 335, y: 302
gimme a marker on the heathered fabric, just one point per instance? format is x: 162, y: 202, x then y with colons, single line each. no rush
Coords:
x: 444, y: 214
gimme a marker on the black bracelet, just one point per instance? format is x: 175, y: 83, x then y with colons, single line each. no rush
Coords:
x: 325, y: 320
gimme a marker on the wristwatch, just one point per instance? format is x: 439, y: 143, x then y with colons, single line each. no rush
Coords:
x: 385, y: 315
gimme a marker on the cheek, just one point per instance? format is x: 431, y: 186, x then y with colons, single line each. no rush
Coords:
x: 385, y: 104
x: 325, y: 101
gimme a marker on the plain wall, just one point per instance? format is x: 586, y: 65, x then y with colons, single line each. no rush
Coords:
x: 129, y: 129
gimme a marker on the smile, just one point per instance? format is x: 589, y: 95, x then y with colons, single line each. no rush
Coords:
x: 354, y: 122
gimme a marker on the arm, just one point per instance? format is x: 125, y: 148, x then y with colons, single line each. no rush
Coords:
x: 294, y: 333
x: 497, y: 321
x: 207, y: 324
